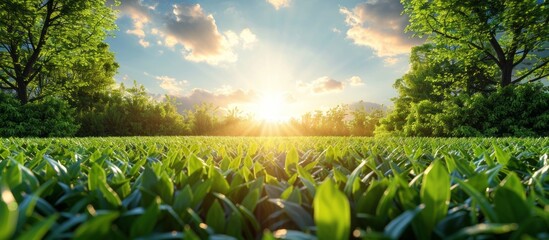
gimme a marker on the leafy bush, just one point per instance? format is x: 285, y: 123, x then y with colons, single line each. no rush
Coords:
x: 131, y: 112
x: 49, y: 117
x: 515, y: 110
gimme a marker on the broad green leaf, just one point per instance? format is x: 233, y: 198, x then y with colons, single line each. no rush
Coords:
x: 96, y: 227
x: 219, y: 183
x: 8, y: 212
x: 291, y: 161
x: 332, y: 212
x: 483, y: 228
x: 145, y: 223
x: 483, y: 202
x: 353, y: 183
x: 39, y: 230
x: 165, y: 188
x: 251, y: 200
x: 502, y: 156
x: 216, y: 217
x: 510, y: 201
x: 298, y: 215
x: 183, y: 199
x: 435, y: 194
x: 397, y: 226
x: 194, y: 164
x: 96, y: 177
x: 109, y: 194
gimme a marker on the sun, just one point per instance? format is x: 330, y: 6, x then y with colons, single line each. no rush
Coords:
x: 271, y: 108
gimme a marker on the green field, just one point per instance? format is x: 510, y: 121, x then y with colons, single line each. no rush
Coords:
x: 266, y: 188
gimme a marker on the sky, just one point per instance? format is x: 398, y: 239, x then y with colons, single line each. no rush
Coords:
x: 273, y: 59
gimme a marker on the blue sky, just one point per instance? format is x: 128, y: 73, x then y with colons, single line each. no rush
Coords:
x: 288, y: 56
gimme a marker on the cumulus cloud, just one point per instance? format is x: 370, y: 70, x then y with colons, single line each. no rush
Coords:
x: 378, y: 24
x: 189, y: 27
x: 139, y: 13
x: 277, y: 4
x: 355, y: 81
x: 222, y: 97
x: 322, y: 85
x: 171, y: 85
x: 248, y: 38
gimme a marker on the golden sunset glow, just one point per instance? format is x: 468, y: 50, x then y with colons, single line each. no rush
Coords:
x: 271, y: 108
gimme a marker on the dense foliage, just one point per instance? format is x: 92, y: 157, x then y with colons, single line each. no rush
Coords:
x: 289, y: 188
x: 511, y: 36
x: 130, y: 112
x: 42, y: 40
x: 49, y: 117
x: 463, y: 81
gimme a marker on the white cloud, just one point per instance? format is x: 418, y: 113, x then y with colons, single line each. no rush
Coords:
x: 355, y: 81
x: 171, y: 85
x: 189, y: 27
x: 140, y: 17
x: 322, y: 85
x: 390, y: 61
x: 380, y: 26
x: 277, y: 4
x: 248, y: 38
x: 144, y: 43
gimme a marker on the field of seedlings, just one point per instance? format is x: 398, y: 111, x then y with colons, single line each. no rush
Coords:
x: 274, y: 188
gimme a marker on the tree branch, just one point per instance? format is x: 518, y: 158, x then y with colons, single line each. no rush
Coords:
x: 530, y: 72
x: 6, y: 81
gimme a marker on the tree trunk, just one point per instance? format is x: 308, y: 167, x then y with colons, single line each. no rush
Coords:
x: 506, y: 74
x: 22, y: 94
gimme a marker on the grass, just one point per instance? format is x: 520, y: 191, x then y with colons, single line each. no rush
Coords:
x: 268, y: 188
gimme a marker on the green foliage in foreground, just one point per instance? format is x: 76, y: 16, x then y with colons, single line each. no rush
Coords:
x: 268, y: 188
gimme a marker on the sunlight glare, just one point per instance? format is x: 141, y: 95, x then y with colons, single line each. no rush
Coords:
x: 271, y: 108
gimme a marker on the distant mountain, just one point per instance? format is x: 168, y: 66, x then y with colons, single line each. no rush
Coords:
x: 368, y: 106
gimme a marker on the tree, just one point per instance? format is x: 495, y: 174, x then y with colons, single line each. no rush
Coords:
x: 38, y: 36
x: 512, y: 35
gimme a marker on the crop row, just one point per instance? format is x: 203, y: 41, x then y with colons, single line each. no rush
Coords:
x: 267, y: 188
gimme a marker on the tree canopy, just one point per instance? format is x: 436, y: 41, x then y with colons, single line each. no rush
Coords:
x: 512, y: 35
x: 39, y: 37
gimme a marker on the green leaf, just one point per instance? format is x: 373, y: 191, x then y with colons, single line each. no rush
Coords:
x: 109, y: 194
x: 291, y: 161
x: 96, y: 177
x: 510, y: 201
x: 484, y: 204
x: 503, y: 157
x: 216, y: 217
x: 145, y: 223
x: 298, y: 215
x: 332, y: 212
x: 183, y: 199
x: 251, y: 199
x: 165, y: 188
x: 194, y: 164
x: 435, y: 194
x: 352, y: 183
x: 39, y: 230
x: 97, y: 227
x: 219, y: 183
x: 483, y: 228
x: 8, y: 213
x: 397, y: 226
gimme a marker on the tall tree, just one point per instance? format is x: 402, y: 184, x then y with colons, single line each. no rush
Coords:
x: 37, y: 36
x: 513, y: 35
